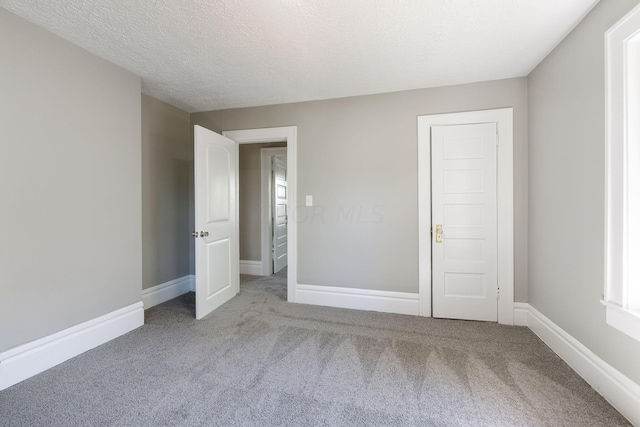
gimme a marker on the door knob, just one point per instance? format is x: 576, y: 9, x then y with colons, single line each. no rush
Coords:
x: 438, y: 233
x: 195, y: 234
x: 204, y: 233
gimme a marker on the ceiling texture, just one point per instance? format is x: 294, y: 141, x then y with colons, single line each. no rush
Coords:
x: 205, y: 55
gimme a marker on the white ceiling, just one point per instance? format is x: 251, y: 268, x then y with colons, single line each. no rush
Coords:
x: 214, y: 54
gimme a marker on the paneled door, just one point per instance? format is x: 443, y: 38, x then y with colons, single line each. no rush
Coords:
x: 280, y: 214
x: 464, y: 222
x: 216, y: 209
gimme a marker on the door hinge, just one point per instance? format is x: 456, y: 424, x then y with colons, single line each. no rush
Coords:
x: 498, y: 293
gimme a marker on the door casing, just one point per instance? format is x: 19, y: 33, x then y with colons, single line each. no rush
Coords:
x: 504, y: 119
x: 286, y: 134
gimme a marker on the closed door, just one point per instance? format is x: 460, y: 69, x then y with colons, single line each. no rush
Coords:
x: 464, y: 227
x: 280, y: 214
x: 217, y: 234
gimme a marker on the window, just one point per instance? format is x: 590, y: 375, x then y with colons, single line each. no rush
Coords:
x: 622, y: 288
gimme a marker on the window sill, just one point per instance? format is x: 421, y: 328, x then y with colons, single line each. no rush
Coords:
x: 626, y: 321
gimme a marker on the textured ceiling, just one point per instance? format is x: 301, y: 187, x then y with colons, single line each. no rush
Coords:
x: 213, y: 54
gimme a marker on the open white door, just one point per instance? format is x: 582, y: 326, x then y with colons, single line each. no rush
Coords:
x: 464, y: 221
x: 280, y: 215
x: 217, y: 235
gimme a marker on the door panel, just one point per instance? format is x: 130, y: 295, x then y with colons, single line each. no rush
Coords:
x: 218, y: 263
x: 217, y: 166
x: 465, y: 285
x: 216, y: 201
x: 464, y: 262
x: 470, y: 251
x: 280, y: 215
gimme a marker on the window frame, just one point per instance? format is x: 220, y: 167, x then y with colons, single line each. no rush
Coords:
x: 621, y: 313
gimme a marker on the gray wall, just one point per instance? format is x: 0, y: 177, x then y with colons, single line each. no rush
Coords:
x: 167, y: 171
x: 359, y: 155
x: 566, y: 188
x: 69, y: 184
x: 251, y: 199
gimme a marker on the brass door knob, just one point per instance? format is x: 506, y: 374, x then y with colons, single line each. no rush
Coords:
x: 438, y: 233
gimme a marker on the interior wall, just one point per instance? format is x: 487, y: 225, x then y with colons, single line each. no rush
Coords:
x: 69, y: 184
x: 567, y: 189
x: 167, y: 167
x: 250, y: 203
x: 357, y: 157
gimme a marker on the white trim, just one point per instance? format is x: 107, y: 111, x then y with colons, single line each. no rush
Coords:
x: 626, y: 321
x: 424, y: 216
x: 289, y: 134
x: 265, y: 211
x: 359, y: 299
x: 621, y: 139
x: 504, y: 119
x: 254, y: 268
x: 192, y: 282
x: 165, y: 291
x: 620, y: 391
x: 258, y: 136
x: 30, y: 359
x: 520, y: 314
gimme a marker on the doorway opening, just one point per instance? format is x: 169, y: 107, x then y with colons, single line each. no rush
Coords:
x: 288, y: 137
x: 263, y: 210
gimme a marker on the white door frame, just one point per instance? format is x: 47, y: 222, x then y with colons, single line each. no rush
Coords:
x: 504, y: 118
x: 286, y: 134
x: 265, y: 215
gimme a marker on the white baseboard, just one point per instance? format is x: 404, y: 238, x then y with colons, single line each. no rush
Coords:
x: 192, y: 282
x: 30, y: 359
x: 520, y: 313
x: 253, y: 268
x: 359, y: 299
x: 165, y: 291
x: 615, y: 387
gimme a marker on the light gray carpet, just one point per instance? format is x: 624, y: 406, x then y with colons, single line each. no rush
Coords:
x: 259, y: 360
